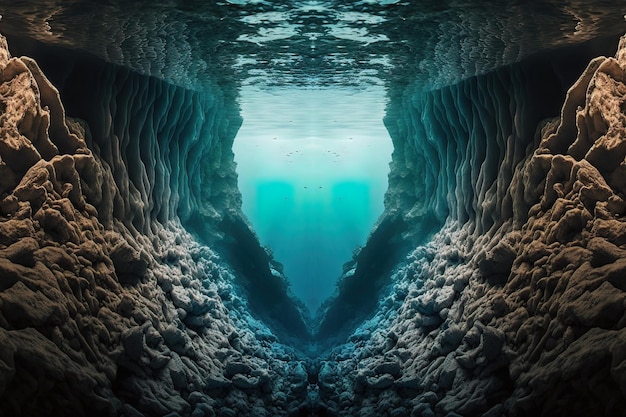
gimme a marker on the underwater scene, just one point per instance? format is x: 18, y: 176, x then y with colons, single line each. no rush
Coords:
x: 265, y: 208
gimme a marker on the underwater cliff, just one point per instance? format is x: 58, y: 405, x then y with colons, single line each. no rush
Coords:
x: 132, y: 283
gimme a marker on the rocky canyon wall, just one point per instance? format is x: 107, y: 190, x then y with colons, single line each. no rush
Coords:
x: 516, y: 306
x: 107, y: 306
x: 510, y: 301
x: 456, y: 151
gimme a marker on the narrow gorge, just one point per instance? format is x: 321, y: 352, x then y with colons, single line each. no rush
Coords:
x: 132, y: 283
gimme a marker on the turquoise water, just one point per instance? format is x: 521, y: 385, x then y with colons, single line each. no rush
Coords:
x: 312, y: 168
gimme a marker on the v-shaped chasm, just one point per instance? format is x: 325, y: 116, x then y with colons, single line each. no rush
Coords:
x: 132, y: 285
x: 312, y: 168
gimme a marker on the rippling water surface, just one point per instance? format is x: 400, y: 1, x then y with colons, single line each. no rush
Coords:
x: 317, y: 42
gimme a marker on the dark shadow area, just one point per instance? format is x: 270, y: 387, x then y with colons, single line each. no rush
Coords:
x: 267, y: 292
x: 359, y: 292
x: 552, y: 72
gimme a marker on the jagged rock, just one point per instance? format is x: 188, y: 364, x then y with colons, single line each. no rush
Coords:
x: 604, y: 252
x: 380, y: 382
x: 24, y: 307
x: 134, y: 342
x: 497, y: 263
x: 543, y: 226
x: 492, y: 341
x: 234, y: 368
x: 11, y: 231
x: 392, y: 368
x: 22, y: 252
x: 449, y: 339
x: 245, y: 382
x: 130, y: 267
x: 213, y: 382
x: 176, y: 369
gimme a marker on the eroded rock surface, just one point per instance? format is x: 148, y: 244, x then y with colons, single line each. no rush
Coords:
x: 97, y: 318
x: 514, y: 310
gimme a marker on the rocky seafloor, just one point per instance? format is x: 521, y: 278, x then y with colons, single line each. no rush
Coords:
x: 514, y: 307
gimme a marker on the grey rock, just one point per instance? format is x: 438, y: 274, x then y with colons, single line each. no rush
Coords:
x: 427, y: 321
x: 181, y: 298
x: 430, y: 397
x: 245, y: 382
x: 133, y: 341
x: 157, y: 360
x: 327, y: 375
x: 499, y: 306
x: 130, y: 411
x: 409, y: 382
x: 175, y: 339
x: 227, y: 412
x: 495, y: 267
x: 398, y: 412
x: 492, y: 341
x: 447, y: 372
x: 216, y: 382
x: 422, y: 410
x: 467, y: 360
x: 176, y: 369
x: 392, y: 368
x: 449, y: 339
x: 444, y: 299
x: 234, y: 368
x: 205, y: 409
x: 130, y: 266
x: 380, y: 382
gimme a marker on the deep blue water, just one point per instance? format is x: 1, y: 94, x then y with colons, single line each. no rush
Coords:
x: 312, y: 168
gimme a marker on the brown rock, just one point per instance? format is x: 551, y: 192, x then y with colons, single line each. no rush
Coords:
x: 21, y: 252
x: 12, y: 231
x: 23, y: 307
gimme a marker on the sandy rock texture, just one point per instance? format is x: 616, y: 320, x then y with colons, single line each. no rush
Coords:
x: 517, y: 305
x: 97, y: 318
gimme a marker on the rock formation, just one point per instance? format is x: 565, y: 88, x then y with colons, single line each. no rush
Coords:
x: 516, y: 306
x: 510, y: 301
x: 107, y: 306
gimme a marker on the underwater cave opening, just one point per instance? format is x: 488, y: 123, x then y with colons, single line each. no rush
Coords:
x: 312, y: 169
